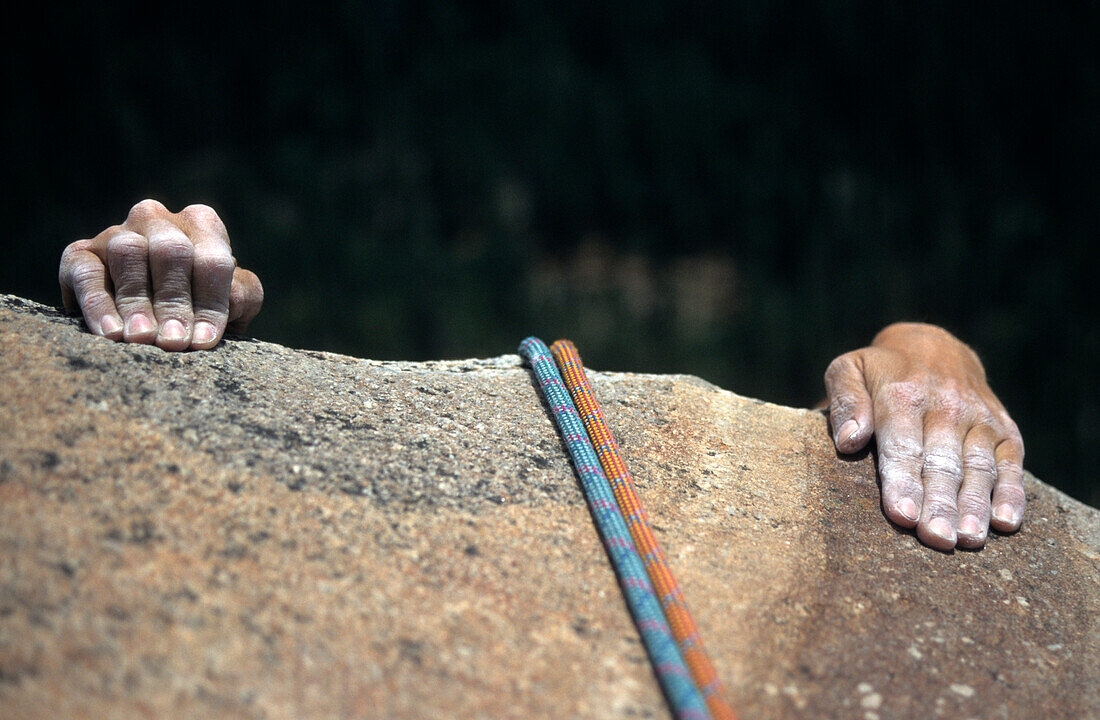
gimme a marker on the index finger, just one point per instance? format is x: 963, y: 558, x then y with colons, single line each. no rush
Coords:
x: 899, y: 435
x: 85, y: 285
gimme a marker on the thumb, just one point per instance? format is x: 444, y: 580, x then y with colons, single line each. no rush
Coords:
x: 246, y: 295
x: 850, y: 411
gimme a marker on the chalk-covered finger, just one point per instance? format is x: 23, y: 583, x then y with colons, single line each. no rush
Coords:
x: 900, y: 440
x: 171, y: 254
x: 1009, y: 498
x: 941, y: 475
x: 979, y: 474
x: 85, y: 285
x: 128, y: 261
x: 211, y: 274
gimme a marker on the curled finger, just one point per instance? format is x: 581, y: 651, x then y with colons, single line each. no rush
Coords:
x: 85, y: 285
x: 245, y: 299
x: 211, y: 274
x: 171, y: 254
x: 1009, y: 498
x: 979, y: 474
x: 900, y: 440
x: 128, y: 261
x: 941, y: 475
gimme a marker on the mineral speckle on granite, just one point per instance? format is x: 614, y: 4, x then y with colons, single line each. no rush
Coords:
x: 261, y: 532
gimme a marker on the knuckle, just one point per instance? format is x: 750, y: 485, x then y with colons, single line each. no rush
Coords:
x: 901, y: 450
x: 1016, y: 441
x: 975, y: 501
x: 128, y: 244
x: 940, y: 504
x: 202, y: 216
x: 905, y: 395
x: 1011, y: 492
x: 216, y: 313
x: 246, y: 294
x: 69, y: 261
x: 172, y: 247
x: 952, y: 402
x: 1013, y: 444
x: 173, y: 308
x: 900, y: 467
x: 843, y: 405
x: 74, y: 248
x: 899, y: 484
x: 1010, y: 426
x: 147, y: 209
x: 95, y: 301
x: 1009, y: 469
x: 86, y: 274
x: 942, y: 462
x: 129, y: 303
x: 981, y: 463
x: 838, y: 367
x: 77, y: 255
x: 214, y: 260
x: 983, y: 417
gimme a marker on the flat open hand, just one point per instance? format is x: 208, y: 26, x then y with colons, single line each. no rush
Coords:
x: 946, y: 445
x: 160, y: 277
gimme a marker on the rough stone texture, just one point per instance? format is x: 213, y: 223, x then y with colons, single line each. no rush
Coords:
x: 261, y: 532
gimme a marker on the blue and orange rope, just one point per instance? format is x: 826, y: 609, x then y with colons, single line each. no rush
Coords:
x: 672, y: 673
x: 680, y: 620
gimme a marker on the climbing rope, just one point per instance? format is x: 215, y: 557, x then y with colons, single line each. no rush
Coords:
x: 672, y: 673
x: 684, y: 630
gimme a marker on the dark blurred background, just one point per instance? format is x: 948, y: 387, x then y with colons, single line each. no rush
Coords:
x: 735, y: 190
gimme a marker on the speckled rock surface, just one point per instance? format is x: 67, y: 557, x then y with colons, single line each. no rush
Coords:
x: 260, y: 532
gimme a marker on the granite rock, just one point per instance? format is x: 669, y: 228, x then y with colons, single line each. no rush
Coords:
x: 263, y: 532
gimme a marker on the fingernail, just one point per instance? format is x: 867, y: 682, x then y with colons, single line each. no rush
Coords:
x: 846, y: 431
x: 1006, y: 514
x: 109, y: 325
x: 907, y: 508
x: 970, y: 525
x: 173, y: 330
x: 204, y: 333
x: 138, y: 325
x: 941, y: 528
